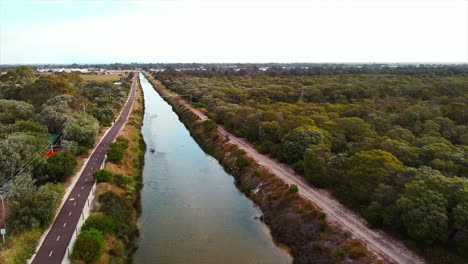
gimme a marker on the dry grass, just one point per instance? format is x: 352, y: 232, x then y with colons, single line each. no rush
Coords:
x: 20, y: 247
x: 102, y: 78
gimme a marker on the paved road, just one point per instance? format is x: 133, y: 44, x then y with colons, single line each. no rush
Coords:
x: 55, y: 244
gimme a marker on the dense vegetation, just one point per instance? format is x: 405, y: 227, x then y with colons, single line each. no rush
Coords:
x: 390, y: 146
x: 117, y: 206
x: 38, y: 111
x: 293, y: 221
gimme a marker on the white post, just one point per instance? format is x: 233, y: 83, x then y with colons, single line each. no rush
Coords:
x: 3, y: 230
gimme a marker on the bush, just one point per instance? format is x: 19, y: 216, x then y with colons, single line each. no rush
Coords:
x: 116, y: 151
x: 293, y: 188
x: 60, y: 166
x: 242, y: 162
x: 120, y: 209
x: 198, y: 105
x: 103, y: 176
x: 355, y: 249
x: 81, y: 150
x: 89, y: 246
x: 341, y: 254
x: 209, y: 125
x: 121, y: 180
x: 100, y: 222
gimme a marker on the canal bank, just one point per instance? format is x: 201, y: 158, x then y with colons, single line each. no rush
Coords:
x: 192, y: 211
x: 294, y: 221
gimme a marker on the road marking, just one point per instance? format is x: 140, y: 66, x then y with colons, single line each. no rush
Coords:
x: 50, y: 254
x: 69, y: 213
x: 72, y: 199
x: 82, y: 187
x: 79, y: 194
x: 58, y: 238
x: 74, y: 204
x: 64, y: 224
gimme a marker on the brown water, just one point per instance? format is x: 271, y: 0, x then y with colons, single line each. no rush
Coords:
x: 191, y: 210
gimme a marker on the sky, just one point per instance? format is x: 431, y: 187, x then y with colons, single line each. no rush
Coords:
x: 91, y: 31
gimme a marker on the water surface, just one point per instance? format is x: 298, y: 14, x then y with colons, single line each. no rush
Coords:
x: 191, y: 209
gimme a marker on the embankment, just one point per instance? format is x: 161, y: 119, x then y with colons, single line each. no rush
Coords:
x: 122, y: 194
x: 293, y: 221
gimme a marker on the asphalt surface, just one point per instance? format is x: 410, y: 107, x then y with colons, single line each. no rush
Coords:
x: 54, y: 246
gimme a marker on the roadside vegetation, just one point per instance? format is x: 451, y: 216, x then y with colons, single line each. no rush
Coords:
x: 38, y: 111
x: 392, y: 147
x: 117, y: 205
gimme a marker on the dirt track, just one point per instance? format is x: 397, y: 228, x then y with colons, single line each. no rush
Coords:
x: 383, y: 245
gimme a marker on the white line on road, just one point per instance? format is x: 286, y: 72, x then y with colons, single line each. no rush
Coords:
x: 82, y: 187
x: 64, y: 224
x: 69, y: 213
x: 79, y: 194
x: 58, y: 238
x: 74, y: 204
x: 50, y: 254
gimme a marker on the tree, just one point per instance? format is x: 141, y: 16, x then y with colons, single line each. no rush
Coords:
x: 89, y: 246
x: 12, y: 111
x: 30, y: 209
x: 316, y: 164
x: 297, y: 141
x: 61, y: 165
x: 270, y: 130
x: 81, y: 128
x: 15, y: 149
x: 424, y: 213
x: 354, y: 128
x: 370, y: 168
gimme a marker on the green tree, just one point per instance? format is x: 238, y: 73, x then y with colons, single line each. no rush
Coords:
x: 424, y: 213
x: 370, y: 168
x: 61, y: 165
x: 297, y: 141
x: 354, y: 128
x: 316, y: 164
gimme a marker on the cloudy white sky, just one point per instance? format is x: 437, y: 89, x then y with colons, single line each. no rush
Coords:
x: 71, y: 31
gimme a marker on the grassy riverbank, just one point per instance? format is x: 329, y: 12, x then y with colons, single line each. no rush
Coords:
x: 120, y: 198
x: 293, y: 221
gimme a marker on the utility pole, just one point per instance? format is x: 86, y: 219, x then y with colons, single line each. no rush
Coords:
x: 3, y: 230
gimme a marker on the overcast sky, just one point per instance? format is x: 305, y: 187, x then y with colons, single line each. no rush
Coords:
x: 70, y: 31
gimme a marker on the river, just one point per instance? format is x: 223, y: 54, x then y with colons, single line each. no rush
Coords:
x: 191, y: 210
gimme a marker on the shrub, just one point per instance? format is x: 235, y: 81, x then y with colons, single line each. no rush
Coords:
x: 116, y: 151
x: 209, y: 125
x: 341, y: 254
x: 81, y: 150
x: 355, y: 249
x: 242, y: 162
x: 100, y: 222
x: 89, y: 246
x: 103, y: 176
x: 61, y: 165
x: 120, y: 209
x: 198, y: 105
x: 121, y: 180
x: 293, y: 188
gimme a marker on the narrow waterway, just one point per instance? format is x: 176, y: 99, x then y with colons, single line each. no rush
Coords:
x: 191, y: 209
